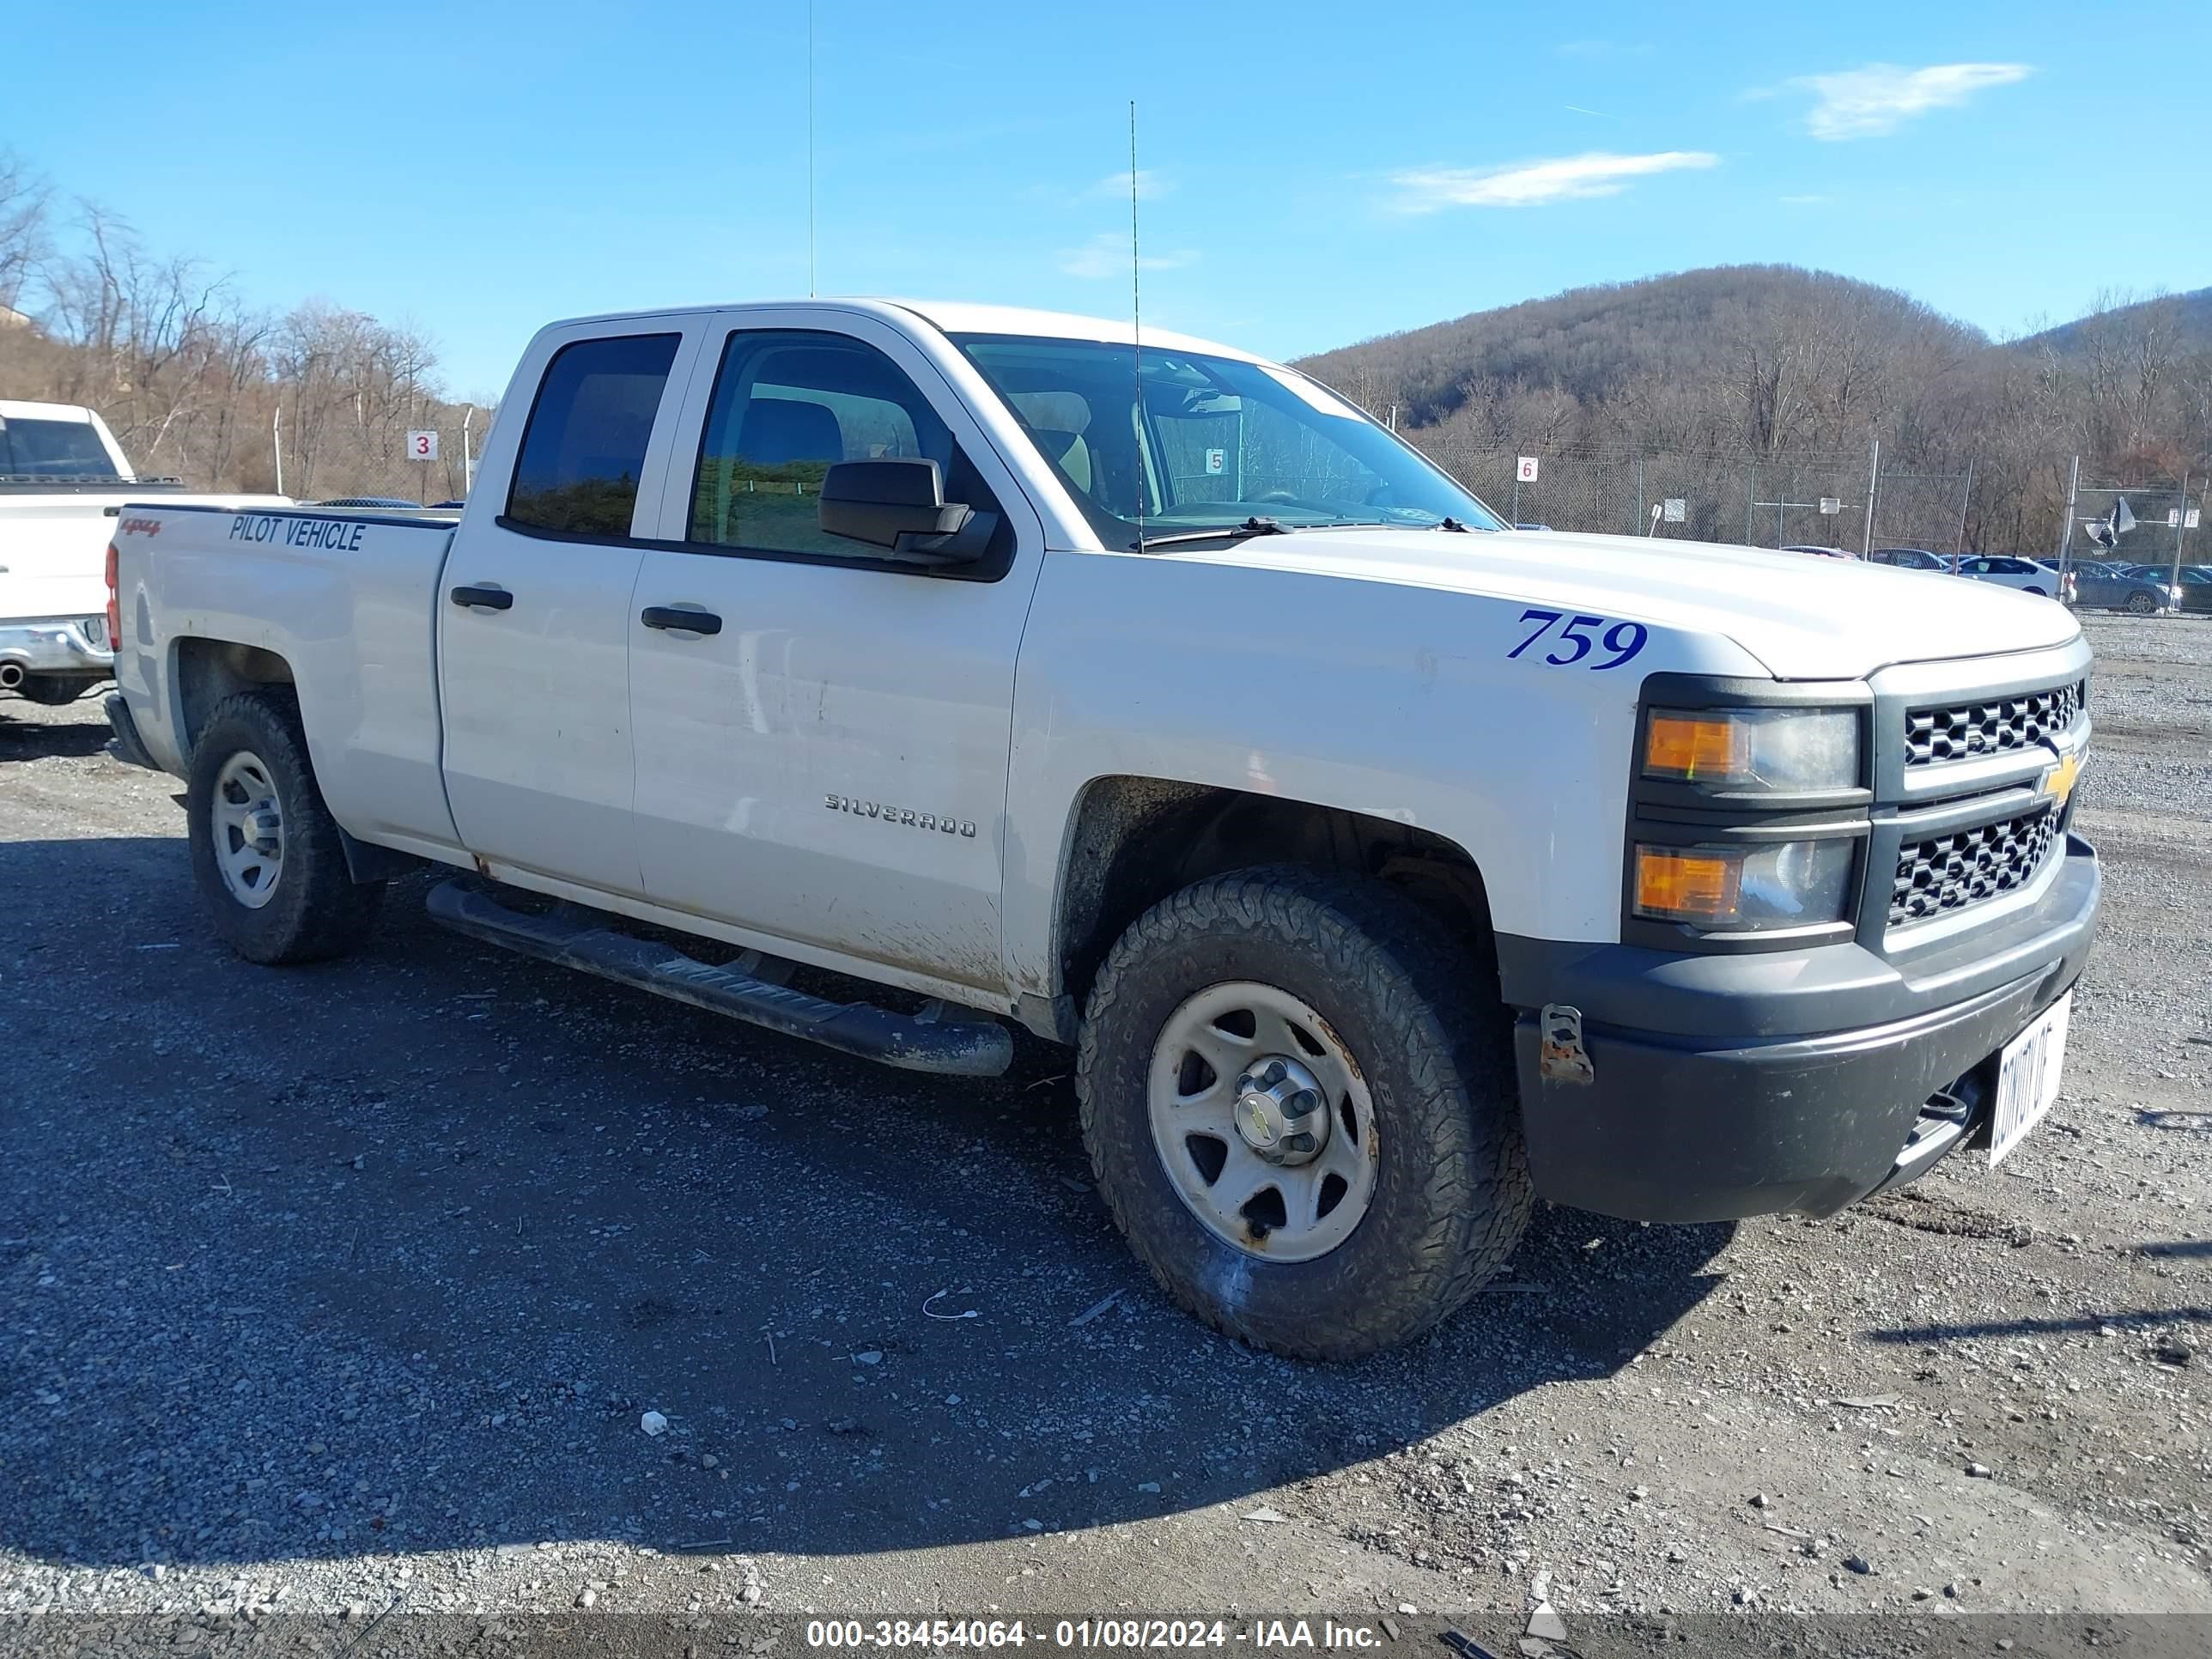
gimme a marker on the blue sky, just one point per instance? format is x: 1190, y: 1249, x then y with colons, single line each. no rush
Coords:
x: 1313, y: 174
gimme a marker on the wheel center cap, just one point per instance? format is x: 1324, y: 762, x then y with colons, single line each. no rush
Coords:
x: 263, y: 826
x: 1282, y: 1110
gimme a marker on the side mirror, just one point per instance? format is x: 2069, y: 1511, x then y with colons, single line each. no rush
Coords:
x: 900, y: 505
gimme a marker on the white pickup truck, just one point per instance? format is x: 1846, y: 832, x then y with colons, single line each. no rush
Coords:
x: 1387, y: 868
x: 62, y: 483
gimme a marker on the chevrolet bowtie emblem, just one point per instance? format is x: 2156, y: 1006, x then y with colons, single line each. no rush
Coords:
x: 2058, y: 782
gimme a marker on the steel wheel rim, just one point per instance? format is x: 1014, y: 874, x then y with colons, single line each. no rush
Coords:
x: 247, y: 824
x: 1210, y: 1137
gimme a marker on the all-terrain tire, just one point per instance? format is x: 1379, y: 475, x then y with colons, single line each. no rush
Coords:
x: 315, y: 910
x: 1452, y: 1194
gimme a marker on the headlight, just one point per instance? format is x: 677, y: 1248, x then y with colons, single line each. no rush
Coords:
x: 1748, y: 887
x: 1779, y: 751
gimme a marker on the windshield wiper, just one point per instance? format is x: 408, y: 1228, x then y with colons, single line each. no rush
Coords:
x: 1229, y: 532
x: 1448, y: 522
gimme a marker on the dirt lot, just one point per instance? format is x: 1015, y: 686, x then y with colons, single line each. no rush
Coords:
x: 347, y: 1289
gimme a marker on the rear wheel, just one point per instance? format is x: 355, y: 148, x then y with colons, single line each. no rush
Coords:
x: 1300, y: 1113
x: 2038, y: 591
x: 268, y: 858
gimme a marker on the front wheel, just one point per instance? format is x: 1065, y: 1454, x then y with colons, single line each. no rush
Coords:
x: 268, y: 859
x: 1301, y: 1112
x: 2141, y: 604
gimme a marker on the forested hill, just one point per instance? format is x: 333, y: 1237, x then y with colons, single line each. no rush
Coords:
x: 1775, y: 360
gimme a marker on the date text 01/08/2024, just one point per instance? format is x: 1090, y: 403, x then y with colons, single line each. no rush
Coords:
x: 1266, y: 1635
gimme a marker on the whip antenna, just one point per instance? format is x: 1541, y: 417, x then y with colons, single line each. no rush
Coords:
x: 1136, y: 324
x: 810, y: 148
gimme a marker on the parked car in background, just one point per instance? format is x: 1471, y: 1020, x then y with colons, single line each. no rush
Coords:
x: 2194, y: 590
x: 1911, y: 558
x: 1819, y: 552
x: 2006, y: 571
x: 2101, y: 587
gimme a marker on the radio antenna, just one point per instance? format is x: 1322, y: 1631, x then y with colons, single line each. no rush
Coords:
x: 1136, y: 324
x: 810, y: 148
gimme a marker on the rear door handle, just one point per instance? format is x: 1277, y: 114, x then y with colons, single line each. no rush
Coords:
x: 488, y: 598
x: 666, y: 616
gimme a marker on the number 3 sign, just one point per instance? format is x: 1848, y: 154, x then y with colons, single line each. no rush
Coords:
x: 421, y: 445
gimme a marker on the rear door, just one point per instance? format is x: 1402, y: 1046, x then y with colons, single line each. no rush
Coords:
x: 828, y: 765
x: 533, y: 608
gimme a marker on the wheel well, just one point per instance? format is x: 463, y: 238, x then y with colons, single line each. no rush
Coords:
x: 1138, y: 840
x: 207, y: 671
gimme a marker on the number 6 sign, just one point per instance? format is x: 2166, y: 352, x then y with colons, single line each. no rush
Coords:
x: 421, y: 445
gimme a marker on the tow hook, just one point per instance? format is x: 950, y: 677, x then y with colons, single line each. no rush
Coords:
x: 1564, y: 1058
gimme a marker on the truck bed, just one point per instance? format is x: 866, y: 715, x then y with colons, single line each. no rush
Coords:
x: 348, y: 598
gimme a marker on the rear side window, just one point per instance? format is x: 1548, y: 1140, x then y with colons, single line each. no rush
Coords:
x: 585, y: 446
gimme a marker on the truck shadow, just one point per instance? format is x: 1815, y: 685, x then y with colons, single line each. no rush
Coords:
x: 73, y: 739
x: 394, y: 1254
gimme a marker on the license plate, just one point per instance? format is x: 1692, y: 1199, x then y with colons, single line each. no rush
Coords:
x: 2027, y: 1078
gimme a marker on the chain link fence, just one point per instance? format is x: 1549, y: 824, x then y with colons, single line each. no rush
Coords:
x: 1816, y: 500
x: 338, y: 459
x: 2157, y: 524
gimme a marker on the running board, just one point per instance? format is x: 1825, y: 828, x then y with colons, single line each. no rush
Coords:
x: 927, y: 1041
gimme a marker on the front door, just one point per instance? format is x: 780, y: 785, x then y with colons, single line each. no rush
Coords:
x: 534, y: 621
x: 828, y: 765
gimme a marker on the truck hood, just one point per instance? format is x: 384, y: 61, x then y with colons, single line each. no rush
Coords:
x: 1805, y: 617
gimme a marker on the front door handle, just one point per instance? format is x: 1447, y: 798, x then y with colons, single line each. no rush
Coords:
x: 487, y: 598
x: 666, y: 616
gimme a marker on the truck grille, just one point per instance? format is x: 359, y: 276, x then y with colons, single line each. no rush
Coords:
x: 1966, y: 730
x: 1950, y: 873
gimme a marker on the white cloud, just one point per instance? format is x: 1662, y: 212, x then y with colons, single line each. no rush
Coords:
x: 1533, y: 184
x: 1115, y: 185
x: 1107, y: 254
x: 1868, y: 102
x: 1806, y: 201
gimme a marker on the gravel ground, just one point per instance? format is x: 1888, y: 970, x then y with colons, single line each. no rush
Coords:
x: 348, y: 1289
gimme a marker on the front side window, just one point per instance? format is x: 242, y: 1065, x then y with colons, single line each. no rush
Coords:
x: 52, y: 449
x: 584, y: 448
x: 787, y: 406
x: 1185, y: 442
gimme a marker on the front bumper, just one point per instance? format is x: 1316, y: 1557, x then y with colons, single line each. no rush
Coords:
x: 75, y: 647
x: 1725, y: 1086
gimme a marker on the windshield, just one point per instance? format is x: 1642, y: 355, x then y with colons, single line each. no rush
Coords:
x: 52, y: 449
x: 1212, y: 442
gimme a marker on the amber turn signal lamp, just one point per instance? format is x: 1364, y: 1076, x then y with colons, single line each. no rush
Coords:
x: 1699, y: 886
x: 1696, y: 749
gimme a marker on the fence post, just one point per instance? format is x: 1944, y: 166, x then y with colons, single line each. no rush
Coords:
x: 2066, y: 535
x: 1873, y: 488
x: 1965, y: 499
x: 1639, y: 523
x: 2180, y: 529
x: 1750, y: 495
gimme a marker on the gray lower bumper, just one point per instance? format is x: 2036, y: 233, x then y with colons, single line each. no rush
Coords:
x: 74, y: 647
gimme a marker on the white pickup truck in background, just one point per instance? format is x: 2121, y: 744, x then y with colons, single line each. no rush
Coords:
x: 1387, y: 867
x: 62, y: 483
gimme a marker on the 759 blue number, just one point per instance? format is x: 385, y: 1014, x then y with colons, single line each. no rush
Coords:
x: 1576, y: 638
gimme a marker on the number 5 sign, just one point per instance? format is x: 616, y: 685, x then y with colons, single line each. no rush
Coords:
x: 1526, y: 474
x: 421, y: 445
